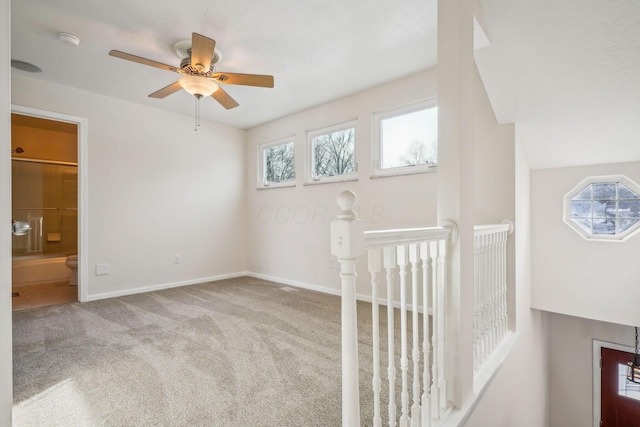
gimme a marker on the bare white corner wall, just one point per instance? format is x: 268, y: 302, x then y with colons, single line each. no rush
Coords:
x: 288, y: 228
x: 574, y: 276
x: 517, y: 395
x: 6, y: 366
x: 153, y: 191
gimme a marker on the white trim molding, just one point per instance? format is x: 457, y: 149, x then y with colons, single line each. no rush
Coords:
x: 83, y: 187
x: 143, y: 289
x: 597, y: 350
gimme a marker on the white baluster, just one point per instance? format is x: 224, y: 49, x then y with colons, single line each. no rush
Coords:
x: 347, y: 244
x: 426, y: 375
x: 402, y: 252
x: 389, y: 265
x: 375, y: 267
x: 476, y: 302
x: 435, y: 343
x: 496, y: 290
x: 415, y: 332
x: 486, y: 280
x: 492, y: 292
x: 442, y: 295
x: 503, y: 285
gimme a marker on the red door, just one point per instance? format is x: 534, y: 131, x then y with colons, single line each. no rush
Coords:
x: 620, y: 405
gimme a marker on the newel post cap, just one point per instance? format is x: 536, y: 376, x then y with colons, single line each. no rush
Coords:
x: 347, y: 231
x: 346, y: 201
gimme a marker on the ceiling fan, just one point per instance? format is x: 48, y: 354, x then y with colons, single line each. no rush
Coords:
x: 199, y: 76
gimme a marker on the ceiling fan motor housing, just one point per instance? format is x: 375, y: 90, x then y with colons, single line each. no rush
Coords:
x: 185, y: 64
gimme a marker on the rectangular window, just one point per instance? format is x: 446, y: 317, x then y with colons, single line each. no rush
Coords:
x: 333, y: 153
x: 277, y: 161
x: 406, y: 139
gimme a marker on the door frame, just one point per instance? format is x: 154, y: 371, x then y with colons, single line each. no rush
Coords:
x: 597, y: 351
x: 83, y: 184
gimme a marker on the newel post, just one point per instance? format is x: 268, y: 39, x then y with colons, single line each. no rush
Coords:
x: 347, y: 245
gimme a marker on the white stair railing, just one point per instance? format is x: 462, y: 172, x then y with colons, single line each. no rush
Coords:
x: 490, y: 316
x: 420, y: 258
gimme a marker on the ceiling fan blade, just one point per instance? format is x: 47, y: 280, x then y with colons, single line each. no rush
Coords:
x: 143, y: 61
x: 166, y: 91
x: 202, y: 49
x: 244, y: 79
x: 224, y: 99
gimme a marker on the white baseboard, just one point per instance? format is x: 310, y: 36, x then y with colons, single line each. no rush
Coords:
x: 325, y: 290
x: 302, y: 285
x: 151, y: 288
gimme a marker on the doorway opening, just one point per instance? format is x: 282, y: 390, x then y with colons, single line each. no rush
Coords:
x: 47, y: 179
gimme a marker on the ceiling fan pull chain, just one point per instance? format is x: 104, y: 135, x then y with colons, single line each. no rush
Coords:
x: 197, y: 114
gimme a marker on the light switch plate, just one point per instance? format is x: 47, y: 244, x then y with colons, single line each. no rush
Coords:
x: 102, y: 269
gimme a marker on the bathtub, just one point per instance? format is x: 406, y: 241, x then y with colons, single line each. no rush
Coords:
x: 31, y: 271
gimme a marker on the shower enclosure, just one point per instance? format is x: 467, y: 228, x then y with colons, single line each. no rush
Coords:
x: 45, y: 196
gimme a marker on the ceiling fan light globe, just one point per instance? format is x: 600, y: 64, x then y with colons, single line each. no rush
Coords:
x: 198, y: 85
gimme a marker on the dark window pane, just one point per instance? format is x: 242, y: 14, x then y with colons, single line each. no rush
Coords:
x: 410, y: 139
x: 334, y: 153
x: 604, y: 208
x: 604, y: 191
x: 580, y: 209
x: 625, y: 193
x: 279, y: 163
x: 604, y: 226
x: 629, y: 209
x: 624, y: 224
x: 585, y: 224
x: 584, y: 194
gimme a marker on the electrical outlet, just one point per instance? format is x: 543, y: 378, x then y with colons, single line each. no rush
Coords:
x: 102, y: 269
x: 333, y: 263
x: 176, y: 259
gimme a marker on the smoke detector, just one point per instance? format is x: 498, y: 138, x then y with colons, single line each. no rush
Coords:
x: 69, y: 39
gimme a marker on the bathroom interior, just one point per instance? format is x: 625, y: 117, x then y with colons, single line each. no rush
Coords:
x: 45, y: 197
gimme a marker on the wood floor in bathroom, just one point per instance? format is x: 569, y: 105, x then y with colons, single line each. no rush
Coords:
x: 40, y: 295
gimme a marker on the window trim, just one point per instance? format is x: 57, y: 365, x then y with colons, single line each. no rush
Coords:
x: 261, y: 183
x: 310, y: 179
x: 376, y: 122
x: 566, y: 209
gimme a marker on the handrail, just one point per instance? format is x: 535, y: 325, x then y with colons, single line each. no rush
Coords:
x: 382, y: 238
x: 505, y: 225
x: 35, y: 209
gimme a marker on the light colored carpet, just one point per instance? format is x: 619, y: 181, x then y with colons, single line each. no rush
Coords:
x: 238, y: 352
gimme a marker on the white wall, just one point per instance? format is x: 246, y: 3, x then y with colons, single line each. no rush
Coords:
x: 288, y: 228
x: 6, y: 379
x: 571, y: 365
x: 494, y: 171
x: 154, y: 191
x: 517, y: 395
x: 590, y: 279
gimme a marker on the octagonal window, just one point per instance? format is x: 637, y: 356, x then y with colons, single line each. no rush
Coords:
x: 604, y: 208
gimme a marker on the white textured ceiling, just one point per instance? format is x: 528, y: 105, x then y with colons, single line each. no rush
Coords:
x: 317, y: 50
x: 568, y: 73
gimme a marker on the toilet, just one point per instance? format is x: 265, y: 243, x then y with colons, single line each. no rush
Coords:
x: 72, y: 263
